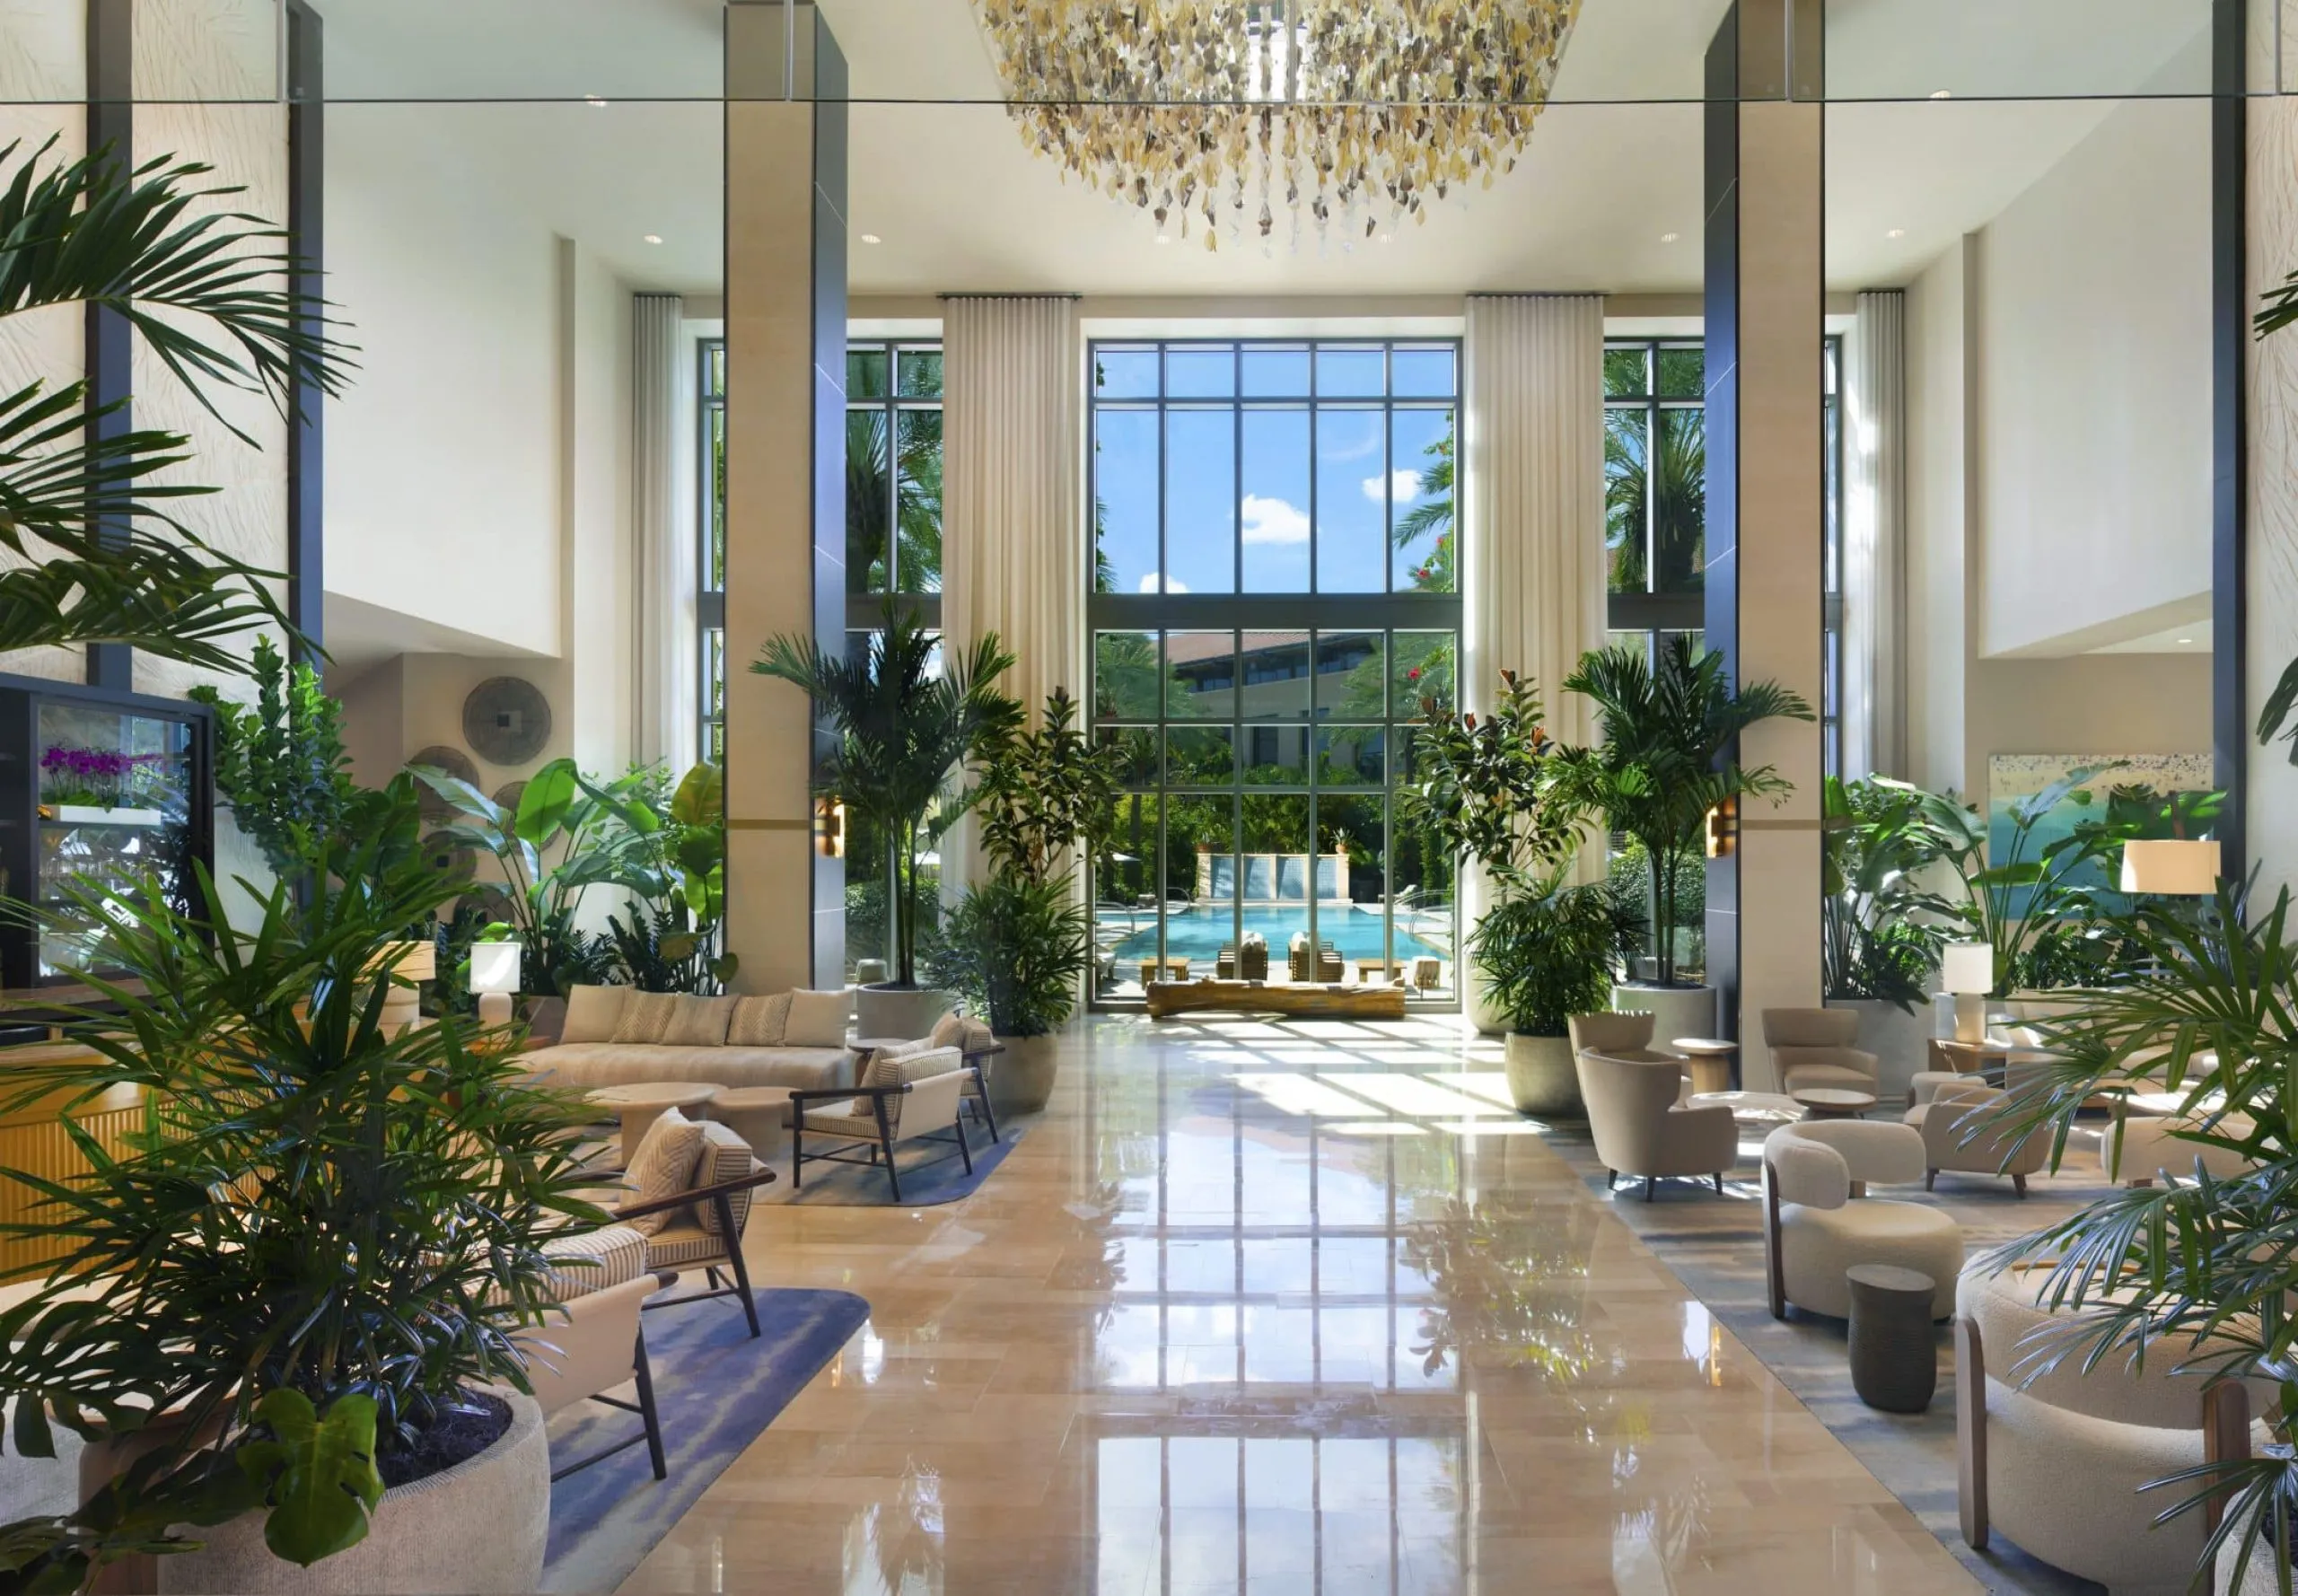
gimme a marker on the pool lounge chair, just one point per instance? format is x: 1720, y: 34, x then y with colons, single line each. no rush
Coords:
x: 1251, y: 965
x: 1328, y: 961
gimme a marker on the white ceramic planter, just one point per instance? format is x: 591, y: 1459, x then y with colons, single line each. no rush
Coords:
x: 885, y: 1012
x: 479, y: 1526
x: 1542, y: 1079
x: 1021, y: 1077
x: 1675, y: 1011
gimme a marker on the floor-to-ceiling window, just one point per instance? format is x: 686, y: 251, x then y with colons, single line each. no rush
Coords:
x: 893, y: 547
x: 1273, y: 601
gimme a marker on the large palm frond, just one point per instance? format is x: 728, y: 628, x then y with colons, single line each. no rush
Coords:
x: 210, y: 293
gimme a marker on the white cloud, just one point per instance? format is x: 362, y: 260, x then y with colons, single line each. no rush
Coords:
x: 1149, y: 586
x: 1407, y: 484
x: 1273, y: 521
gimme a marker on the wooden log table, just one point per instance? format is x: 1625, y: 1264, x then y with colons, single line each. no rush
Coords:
x: 1167, y: 998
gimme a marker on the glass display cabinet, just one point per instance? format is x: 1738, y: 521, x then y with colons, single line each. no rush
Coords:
x: 111, y: 789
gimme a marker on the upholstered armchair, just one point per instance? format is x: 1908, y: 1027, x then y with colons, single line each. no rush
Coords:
x: 1816, y: 1226
x: 1623, y: 1036
x: 1641, y: 1128
x: 601, y: 1343
x: 2138, y: 1149
x: 1957, y: 1136
x: 1813, y: 1047
x: 2056, y: 1459
x: 702, y: 1225
x: 903, y: 1096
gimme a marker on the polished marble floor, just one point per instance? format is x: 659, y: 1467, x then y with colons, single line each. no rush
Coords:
x: 1287, y: 1308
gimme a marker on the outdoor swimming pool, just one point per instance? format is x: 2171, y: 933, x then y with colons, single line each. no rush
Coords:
x: 1200, y: 933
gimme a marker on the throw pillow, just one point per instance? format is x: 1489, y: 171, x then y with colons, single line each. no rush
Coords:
x: 664, y: 1167
x: 816, y: 1019
x: 949, y: 1030
x: 593, y: 1013
x: 646, y: 1018
x: 698, y: 1021
x: 759, y: 1022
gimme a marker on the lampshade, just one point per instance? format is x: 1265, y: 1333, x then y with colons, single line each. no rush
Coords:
x: 1966, y: 967
x: 2176, y: 867
x: 495, y: 967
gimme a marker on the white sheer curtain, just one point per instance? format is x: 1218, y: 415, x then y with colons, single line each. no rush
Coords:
x: 1014, y: 521
x: 664, y: 577
x: 1874, y: 464
x: 1532, y: 522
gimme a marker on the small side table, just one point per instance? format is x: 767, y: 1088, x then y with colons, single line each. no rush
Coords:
x: 642, y: 1104
x: 1834, y: 1102
x: 1894, y: 1355
x: 1711, y: 1062
x: 760, y: 1114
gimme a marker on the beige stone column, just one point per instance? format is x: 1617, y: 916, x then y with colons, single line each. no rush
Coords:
x: 785, y: 478
x: 1766, y: 507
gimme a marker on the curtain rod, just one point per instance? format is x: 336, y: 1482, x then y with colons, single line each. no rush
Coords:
x: 951, y: 296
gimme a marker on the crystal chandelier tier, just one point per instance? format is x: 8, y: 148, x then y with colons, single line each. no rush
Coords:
x: 1214, y: 114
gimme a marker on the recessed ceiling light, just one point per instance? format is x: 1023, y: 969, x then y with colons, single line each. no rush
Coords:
x: 1387, y: 238
x: 595, y: 101
x: 1942, y: 93
x: 1164, y: 239
x: 1669, y: 238
x: 872, y: 238
x: 2184, y: 640
x: 653, y: 238
x: 1896, y: 233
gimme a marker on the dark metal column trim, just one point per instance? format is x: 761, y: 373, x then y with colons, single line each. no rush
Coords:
x: 307, y: 230
x: 110, y: 340
x: 2230, y: 315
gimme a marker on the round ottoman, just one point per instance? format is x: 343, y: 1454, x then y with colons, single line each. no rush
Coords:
x: 1894, y: 1354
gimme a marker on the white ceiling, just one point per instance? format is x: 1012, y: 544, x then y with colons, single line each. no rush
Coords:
x: 360, y: 636
x: 963, y: 204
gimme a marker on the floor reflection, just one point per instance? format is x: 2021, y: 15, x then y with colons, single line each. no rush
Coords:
x: 1279, y: 1307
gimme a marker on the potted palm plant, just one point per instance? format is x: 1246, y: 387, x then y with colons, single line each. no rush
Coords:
x: 908, y: 721
x: 1486, y: 790
x: 325, y: 1242
x: 1670, y: 724
x: 1019, y: 944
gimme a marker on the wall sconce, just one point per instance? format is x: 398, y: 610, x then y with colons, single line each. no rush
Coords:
x: 1723, y: 828
x: 829, y: 823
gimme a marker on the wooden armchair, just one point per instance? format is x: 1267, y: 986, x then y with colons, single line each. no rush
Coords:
x: 709, y: 1217
x: 903, y: 1096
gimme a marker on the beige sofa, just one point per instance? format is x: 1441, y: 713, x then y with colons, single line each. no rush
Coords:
x: 728, y: 1041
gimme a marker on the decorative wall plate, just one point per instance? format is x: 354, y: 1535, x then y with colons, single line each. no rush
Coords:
x: 506, y: 719
x: 455, y: 861
x: 509, y: 793
x: 454, y: 762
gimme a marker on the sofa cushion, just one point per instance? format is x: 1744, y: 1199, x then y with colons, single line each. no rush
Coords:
x: 588, y: 1066
x: 816, y: 1019
x: 593, y: 1013
x: 674, y: 1020
x: 759, y: 1022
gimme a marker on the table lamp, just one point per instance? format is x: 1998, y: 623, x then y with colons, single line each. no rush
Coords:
x: 1967, y: 970
x: 495, y: 977
x: 2172, y: 867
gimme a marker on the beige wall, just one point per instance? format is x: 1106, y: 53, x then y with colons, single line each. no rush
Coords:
x: 1964, y: 707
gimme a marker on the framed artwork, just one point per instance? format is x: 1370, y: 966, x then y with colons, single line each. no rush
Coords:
x: 2012, y: 778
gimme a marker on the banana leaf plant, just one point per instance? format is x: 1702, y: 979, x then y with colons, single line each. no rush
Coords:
x: 1880, y: 935
x: 671, y: 941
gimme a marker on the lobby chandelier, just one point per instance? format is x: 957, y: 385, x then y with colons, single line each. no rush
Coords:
x: 1228, y: 114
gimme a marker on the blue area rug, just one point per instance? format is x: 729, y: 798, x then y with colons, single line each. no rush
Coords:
x: 717, y: 1389
x: 928, y: 1186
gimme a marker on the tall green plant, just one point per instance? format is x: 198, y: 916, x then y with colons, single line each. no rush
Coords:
x: 279, y: 762
x: 1016, y: 947
x: 1045, y: 792
x: 95, y: 555
x: 1670, y: 727
x: 906, y: 729
x: 320, y: 1210
x: 1881, y: 931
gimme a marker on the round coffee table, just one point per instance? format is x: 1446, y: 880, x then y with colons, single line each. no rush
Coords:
x: 644, y: 1102
x: 1754, y: 1108
x: 1894, y: 1352
x: 1711, y: 1062
x: 1834, y: 1102
x: 760, y: 1114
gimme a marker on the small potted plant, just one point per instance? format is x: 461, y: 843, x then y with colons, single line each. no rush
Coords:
x: 1019, y: 944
